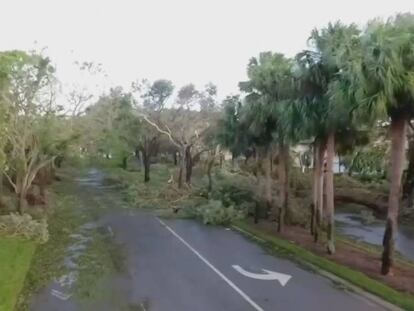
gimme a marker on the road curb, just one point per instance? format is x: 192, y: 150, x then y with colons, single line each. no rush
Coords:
x: 349, y: 286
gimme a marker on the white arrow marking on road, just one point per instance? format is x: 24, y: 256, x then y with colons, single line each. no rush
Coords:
x: 60, y: 295
x: 217, y: 271
x: 267, y: 276
x: 111, y: 232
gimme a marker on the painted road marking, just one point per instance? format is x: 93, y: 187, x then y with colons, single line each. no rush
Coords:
x: 111, y: 232
x: 267, y: 276
x: 217, y: 271
x: 60, y: 295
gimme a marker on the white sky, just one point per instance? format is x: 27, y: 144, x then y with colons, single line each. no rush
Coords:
x: 182, y: 40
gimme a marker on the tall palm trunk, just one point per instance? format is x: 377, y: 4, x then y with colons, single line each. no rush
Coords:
x: 318, y: 188
x: 314, y: 187
x: 330, y: 205
x: 268, y: 183
x: 408, y: 186
x: 284, y: 185
x: 398, y: 139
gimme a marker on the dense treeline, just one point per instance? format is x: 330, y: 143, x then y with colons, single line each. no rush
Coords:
x: 349, y: 81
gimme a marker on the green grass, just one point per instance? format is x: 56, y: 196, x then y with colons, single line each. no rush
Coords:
x: 358, y: 279
x: 15, y: 258
x: 372, y: 249
x: 48, y: 257
x: 102, y: 259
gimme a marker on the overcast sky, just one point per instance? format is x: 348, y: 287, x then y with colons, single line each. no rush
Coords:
x: 182, y: 40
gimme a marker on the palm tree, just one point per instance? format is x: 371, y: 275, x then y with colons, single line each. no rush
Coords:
x: 312, y: 86
x: 270, y: 92
x: 380, y: 76
x: 317, y: 70
x: 230, y: 133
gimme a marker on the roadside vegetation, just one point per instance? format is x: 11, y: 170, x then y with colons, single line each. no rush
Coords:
x: 283, y: 247
x: 306, y: 135
x: 15, y: 256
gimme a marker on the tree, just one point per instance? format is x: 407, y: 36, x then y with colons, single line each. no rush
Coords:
x: 208, y: 100
x: 110, y: 126
x: 26, y: 94
x: 324, y: 113
x: 230, y: 131
x: 185, y: 126
x: 270, y: 92
x: 155, y: 97
x: 187, y: 96
x: 380, y: 76
x: 3, y: 140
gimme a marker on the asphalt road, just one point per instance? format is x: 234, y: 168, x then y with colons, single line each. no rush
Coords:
x: 182, y: 265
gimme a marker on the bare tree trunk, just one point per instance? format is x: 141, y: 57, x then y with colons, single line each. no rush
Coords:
x: 210, y: 165
x: 1, y: 184
x: 147, y: 163
x: 258, y: 190
x: 188, y: 165
x: 408, y: 187
x: 284, y: 184
x: 42, y: 179
x: 58, y: 161
x: 22, y: 202
x: 268, y: 184
x: 271, y: 161
x: 319, y: 185
x: 175, y: 158
x: 182, y: 166
x: 339, y: 164
x: 398, y: 138
x: 1, y: 189
x: 124, y: 162
x: 314, y: 187
x: 330, y: 207
x: 140, y: 159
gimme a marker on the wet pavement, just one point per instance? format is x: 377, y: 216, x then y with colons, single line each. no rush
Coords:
x: 353, y: 226
x: 182, y: 265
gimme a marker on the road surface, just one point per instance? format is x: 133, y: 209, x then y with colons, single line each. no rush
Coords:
x: 182, y: 265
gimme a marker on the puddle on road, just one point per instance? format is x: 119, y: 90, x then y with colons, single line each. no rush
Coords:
x: 352, y: 225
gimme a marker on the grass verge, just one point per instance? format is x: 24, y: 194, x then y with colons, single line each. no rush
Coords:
x: 358, y: 279
x: 47, y: 261
x: 373, y: 249
x: 15, y: 258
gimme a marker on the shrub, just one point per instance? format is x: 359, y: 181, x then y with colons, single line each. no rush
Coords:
x: 215, y: 213
x: 24, y: 226
x: 234, y: 189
